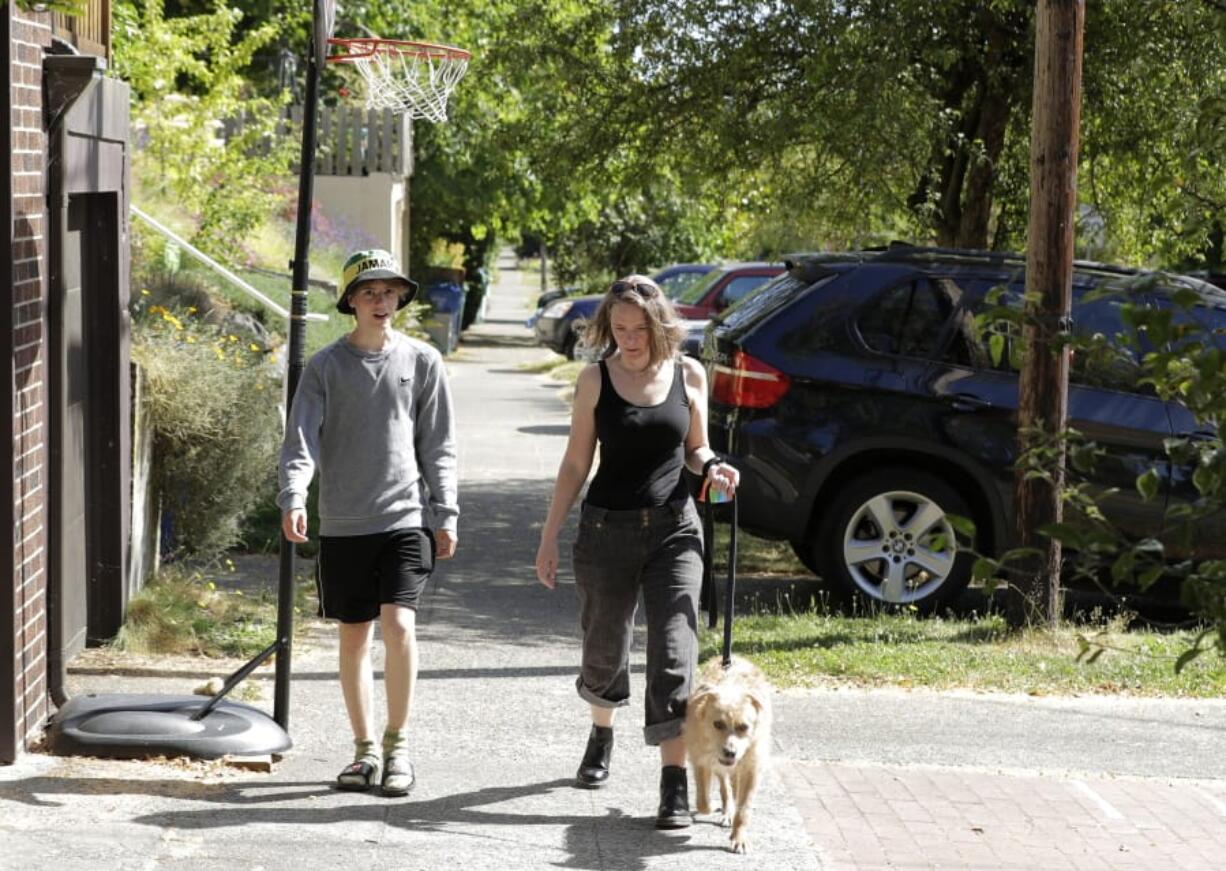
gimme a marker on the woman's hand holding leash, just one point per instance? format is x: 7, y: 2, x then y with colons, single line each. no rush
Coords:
x: 722, y: 477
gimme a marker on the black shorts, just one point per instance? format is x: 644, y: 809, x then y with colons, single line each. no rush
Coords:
x: 356, y: 574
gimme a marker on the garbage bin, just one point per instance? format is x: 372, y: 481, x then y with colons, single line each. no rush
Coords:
x: 443, y: 325
x: 477, y: 288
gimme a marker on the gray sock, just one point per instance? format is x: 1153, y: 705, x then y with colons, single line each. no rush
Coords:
x: 365, y: 750
x: 395, y: 743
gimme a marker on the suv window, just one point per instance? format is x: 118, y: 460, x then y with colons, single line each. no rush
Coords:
x: 905, y: 320
x: 740, y: 286
x: 1103, y: 360
x: 776, y: 293
x: 1209, y: 321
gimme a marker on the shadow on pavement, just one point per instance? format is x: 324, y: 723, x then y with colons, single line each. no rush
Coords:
x: 490, y: 590
x: 498, y: 340
x: 549, y: 429
x: 632, y: 839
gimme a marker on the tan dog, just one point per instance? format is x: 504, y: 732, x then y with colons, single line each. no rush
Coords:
x: 727, y: 734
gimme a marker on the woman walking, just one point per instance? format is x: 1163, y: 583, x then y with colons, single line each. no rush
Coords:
x: 639, y: 530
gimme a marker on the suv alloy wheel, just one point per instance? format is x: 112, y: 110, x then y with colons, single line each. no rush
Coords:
x: 887, y: 539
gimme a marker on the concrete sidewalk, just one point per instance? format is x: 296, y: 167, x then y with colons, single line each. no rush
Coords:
x: 863, y: 779
x: 497, y: 728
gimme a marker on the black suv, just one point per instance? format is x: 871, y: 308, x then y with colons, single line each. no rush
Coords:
x: 864, y: 402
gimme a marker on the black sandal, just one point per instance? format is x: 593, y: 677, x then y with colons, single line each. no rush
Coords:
x: 358, y: 776
x: 398, y: 776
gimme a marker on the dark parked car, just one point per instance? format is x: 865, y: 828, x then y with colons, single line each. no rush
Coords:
x: 864, y: 403
x: 555, y: 322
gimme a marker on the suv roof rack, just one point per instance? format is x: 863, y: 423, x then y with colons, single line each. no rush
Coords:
x: 792, y: 260
x: 902, y: 252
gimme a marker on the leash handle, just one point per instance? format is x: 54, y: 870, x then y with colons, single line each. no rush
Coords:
x: 708, y: 531
x: 730, y: 590
x: 707, y: 597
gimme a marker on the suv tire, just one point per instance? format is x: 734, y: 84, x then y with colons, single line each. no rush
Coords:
x: 568, y: 346
x: 886, y: 540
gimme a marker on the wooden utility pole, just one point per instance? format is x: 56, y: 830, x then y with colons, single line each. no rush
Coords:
x: 1043, y: 387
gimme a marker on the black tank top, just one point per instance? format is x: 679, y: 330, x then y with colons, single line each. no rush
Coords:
x: 642, y: 447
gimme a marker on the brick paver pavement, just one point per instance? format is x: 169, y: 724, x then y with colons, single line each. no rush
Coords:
x: 887, y: 817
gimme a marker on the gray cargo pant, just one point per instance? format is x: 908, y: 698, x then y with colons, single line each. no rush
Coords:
x: 617, y: 553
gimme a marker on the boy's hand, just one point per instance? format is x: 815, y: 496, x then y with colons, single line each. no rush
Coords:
x: 444, y: 544
x: 294, y: 524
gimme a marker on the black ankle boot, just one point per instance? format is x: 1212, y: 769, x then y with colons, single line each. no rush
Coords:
x: 674, y: 799
x: 594, y: 769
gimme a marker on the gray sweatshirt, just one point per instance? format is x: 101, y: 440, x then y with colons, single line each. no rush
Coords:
x: 380, y: 428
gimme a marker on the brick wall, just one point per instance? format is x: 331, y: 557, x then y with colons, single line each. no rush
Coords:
x: 30, y: 33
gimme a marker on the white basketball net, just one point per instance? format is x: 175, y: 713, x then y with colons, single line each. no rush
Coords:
x: 415, y: 82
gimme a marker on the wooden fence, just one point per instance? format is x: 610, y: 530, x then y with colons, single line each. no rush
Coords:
x: 90, y: 31
x: 357, y: 141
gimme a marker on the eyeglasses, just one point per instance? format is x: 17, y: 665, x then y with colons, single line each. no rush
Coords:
x: 646, y: 291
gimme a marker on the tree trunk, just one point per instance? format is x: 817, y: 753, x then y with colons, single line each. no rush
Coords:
x: 976, y: 209
x: 967, y: 175
x: 544, y: 266
x: 998, y: 90
x: 1043, y: 386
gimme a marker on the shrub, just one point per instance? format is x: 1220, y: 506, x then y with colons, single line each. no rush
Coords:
x: 213, y: 402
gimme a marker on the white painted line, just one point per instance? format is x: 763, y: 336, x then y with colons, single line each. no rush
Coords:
x: 1105, y: 806
x: 1213, y: 801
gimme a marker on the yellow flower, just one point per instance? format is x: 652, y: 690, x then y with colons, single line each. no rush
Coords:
x: 191, y: 340
x: 191, y: 309
x: 144, y: 292
x: 233, y: 338
x: 220, y: 354
x: 254, y: 347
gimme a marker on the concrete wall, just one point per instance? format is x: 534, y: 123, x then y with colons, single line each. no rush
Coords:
x: 365, y: 211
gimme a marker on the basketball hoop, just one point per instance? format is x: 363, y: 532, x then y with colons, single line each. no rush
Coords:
x: 412, y: 77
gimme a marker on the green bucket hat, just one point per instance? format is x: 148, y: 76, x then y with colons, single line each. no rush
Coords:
x: 368, y: 265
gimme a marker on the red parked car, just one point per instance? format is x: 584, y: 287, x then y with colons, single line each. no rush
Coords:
x: 721, y: 287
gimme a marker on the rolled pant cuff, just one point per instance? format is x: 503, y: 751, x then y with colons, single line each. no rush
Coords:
x: 658, y: 733
x: 592, y: 699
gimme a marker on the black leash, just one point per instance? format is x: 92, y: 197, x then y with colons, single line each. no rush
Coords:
x: 708, y: 597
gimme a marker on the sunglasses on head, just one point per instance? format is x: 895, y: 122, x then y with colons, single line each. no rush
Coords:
x: 646, y: 291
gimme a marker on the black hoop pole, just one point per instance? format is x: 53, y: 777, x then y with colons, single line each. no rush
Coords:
x: 301, y: 268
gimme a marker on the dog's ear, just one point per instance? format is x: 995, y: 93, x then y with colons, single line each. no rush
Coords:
x: 700, y: 699
x: 758, y: 699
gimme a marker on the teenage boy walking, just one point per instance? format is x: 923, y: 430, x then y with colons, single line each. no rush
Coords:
x: 373, y: 413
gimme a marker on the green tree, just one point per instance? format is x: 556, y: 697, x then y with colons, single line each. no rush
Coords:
x: 511, y: 159
x: 912, y: 116
x: 188, y: 80
x: 813, y: 123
